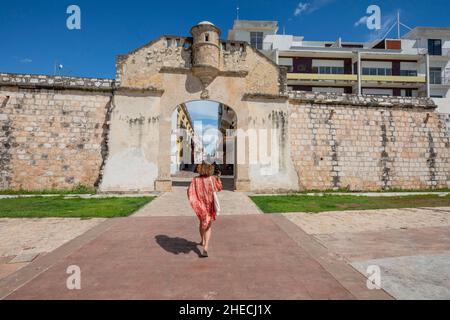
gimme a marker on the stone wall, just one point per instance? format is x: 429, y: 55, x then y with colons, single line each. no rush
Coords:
x: 52, y: 131
x: 368, y: 143
x: 58, y: 132
x: 445, y: 119
x: 6, y: 141
x: 133, y: 144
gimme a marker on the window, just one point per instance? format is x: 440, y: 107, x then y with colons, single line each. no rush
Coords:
x: 408, y: 93
x: 435, y: 47
x: 408, y: 73
x: 207, y: 37
x: 377, y: 72
x: 328, y: 70
x: 435, y: 75
x: 288, y: 68
x: 302, y: 68
x: 256, y: 40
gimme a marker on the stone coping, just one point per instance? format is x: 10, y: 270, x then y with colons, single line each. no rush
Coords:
x: 355, y: 100
x: 109, y: 85
x: 56, y: 82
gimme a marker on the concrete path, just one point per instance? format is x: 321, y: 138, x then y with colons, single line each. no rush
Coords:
x: 175, y: 203
x: 371, y: 220
x: 414, y: 277
x: 251, y: 257
x: 411, y: 247
x: 23, y: 240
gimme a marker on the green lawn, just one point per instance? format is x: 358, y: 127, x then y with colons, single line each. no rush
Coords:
x: 314, y: 204
x: 40, y: 207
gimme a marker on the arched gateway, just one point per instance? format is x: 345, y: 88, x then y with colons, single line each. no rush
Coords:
x: 154, y: 80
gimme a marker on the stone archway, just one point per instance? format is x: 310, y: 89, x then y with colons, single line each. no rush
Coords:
x: 164, y: 181
x: 152, y: 80
x: 203, y: 130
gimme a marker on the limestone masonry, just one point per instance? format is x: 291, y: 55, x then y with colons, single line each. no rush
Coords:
x: 60, y: 132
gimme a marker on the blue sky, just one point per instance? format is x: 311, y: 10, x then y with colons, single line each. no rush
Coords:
x: 34, y: 33
x: 204, y: 114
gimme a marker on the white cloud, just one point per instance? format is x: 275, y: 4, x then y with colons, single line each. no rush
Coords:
x: 300, y: 8
x: 210, y: 138
x: 388, y: 22
x: 25, y: 60
x: 362, y: 20
x: 310, y: 7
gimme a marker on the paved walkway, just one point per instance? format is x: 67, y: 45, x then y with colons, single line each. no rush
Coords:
x: 410, y: 246
x: 23, y: 240
x: 251, y: 257
x: 370, y: 220
x: 154, y: 255
x: 175, y: 203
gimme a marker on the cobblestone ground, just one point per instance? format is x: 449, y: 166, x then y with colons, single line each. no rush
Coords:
x: 410, y: 246
x: 23, y: 240
x: 370, y: 220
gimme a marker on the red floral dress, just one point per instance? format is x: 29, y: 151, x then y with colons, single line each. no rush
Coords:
x: 200, y: 195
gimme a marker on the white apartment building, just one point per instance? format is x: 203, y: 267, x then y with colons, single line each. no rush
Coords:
x: 437, y: 43
x: 416, y: 65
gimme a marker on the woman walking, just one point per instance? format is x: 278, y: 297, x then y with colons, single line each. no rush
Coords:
x: 201, y: 196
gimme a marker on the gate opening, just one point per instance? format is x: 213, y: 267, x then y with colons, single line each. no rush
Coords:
x: 202, y: 131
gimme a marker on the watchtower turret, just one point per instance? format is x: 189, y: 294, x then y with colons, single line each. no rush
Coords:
x: 206, y: 51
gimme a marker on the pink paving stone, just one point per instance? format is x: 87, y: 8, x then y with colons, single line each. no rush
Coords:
x: 156, y: 258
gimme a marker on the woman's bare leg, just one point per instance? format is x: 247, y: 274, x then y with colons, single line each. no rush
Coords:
x: 207, y: 237
x: 202, y: 234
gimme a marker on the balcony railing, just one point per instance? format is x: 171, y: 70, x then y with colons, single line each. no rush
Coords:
x: 322, y: 76
x: 413, y: 79
x: 445, y: 53
x: 435, y: 79
x: 354, y: 77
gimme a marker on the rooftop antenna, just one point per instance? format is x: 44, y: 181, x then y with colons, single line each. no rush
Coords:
x: 237, y: 12
x: 57, y: 66
x: 399, y: 24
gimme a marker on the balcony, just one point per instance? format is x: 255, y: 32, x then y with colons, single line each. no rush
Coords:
x: 322, y: 77
x: 445, y: 55
x: 354, y: 77
x: 439, y: 80
x: 408, y: 79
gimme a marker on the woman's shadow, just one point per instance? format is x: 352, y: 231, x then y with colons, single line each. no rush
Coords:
x: 177, y: 245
